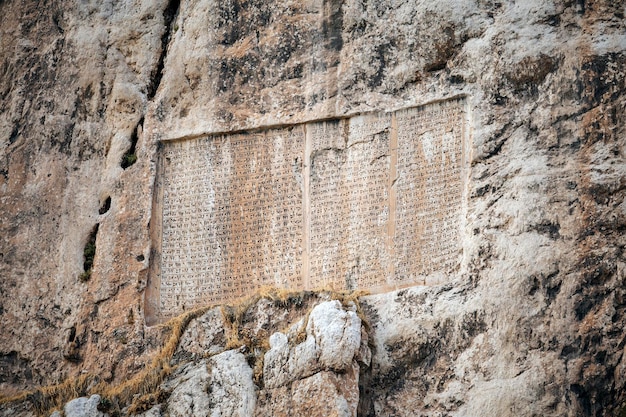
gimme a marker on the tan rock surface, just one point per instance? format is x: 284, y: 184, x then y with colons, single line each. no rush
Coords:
x: 532, y: 323
x: 74, y: 83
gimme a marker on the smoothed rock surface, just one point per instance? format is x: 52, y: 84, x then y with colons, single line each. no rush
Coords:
x: 532, y: 323
x: 83, y: 407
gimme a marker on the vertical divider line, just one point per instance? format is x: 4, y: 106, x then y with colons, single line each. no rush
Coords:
x: 306, y: 206
x: 152, y: 294
x: 466, y: 147
x: 393, y: 173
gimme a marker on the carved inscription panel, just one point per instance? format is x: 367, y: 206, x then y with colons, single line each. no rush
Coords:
x: 428, y: 191
x: 231, y: 217
x: 349, y: 202
x: 368, y: 202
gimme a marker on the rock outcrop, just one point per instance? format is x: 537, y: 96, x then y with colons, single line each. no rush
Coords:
x: 222, y: 386
x: 323, y: 366
x: 532, y: 322
x: 82, y: 407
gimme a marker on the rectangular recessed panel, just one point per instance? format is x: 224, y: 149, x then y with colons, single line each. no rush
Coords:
x: 369, y: 202
x: 428, y: 187
x: 349, y: 202
x: 232, y: 219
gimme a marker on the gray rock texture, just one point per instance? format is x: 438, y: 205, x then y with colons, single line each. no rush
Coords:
x: 532, y: 323
x: 233, y: 393
x: 319, y: 376
x: 333, y: 338
x: 189, y: 395
x: 83, y: 407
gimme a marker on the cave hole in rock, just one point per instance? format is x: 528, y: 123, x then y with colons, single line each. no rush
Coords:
x: 72, y: 334
x: 89, y: 253
x: 130, y: 156
x: 105, y: 206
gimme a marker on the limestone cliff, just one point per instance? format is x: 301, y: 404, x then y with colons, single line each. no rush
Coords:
x: 532, y: 321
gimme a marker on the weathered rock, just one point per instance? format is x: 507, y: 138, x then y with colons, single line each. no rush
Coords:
x: 333, y: 339
x: 219, y: 386
x: 189, y: 396
x: 325, y: 365
x: 74, y: 87
x: 232, y: 390
x: 327, y: 394
x: 322, y: 394
x: 83, y: 407
x: 530, y: 324
x: 337, y: 335
x: 204, y: 336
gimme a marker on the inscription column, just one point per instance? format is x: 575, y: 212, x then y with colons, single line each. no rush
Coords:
x: 429, y: 192
x: 349, y: 209
x: 328, y: 222
x: 231, y: 215
x: 365, y: 191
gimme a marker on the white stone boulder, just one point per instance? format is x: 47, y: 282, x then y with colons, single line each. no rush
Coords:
x: 83, y: 407
x: 333, y: 339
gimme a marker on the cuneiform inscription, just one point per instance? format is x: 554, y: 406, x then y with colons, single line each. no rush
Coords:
x: 232, y: 217
x: 368, y: 202
x: 349, y: 203
x: 428, y: 190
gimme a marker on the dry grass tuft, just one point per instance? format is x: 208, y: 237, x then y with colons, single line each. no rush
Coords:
x: 53, y: 397
x: 146, y: 383
x: 352, y: 297
x: 133, y: 392
x: 233, y: 314
x: 142, y: 391
x: 145, y: 402
x: 17, y: 398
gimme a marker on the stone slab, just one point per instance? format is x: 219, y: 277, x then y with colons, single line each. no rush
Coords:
x: 373, y: 201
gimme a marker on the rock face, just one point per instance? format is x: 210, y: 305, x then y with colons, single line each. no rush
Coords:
x: 221, y: 386
x: 320, y: 376
x: 530, y: 323
x: 83, y: 407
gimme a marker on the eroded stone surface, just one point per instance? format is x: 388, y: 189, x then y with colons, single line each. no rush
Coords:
x: 189, y: 391
x: 203, y: 336
x: 232, y: 391
x: 83, y: 407
x: 325, y: 365
x: 373, y: 202
x: 535, y: 314
x: 333, y: 339
x: 340, y: 394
